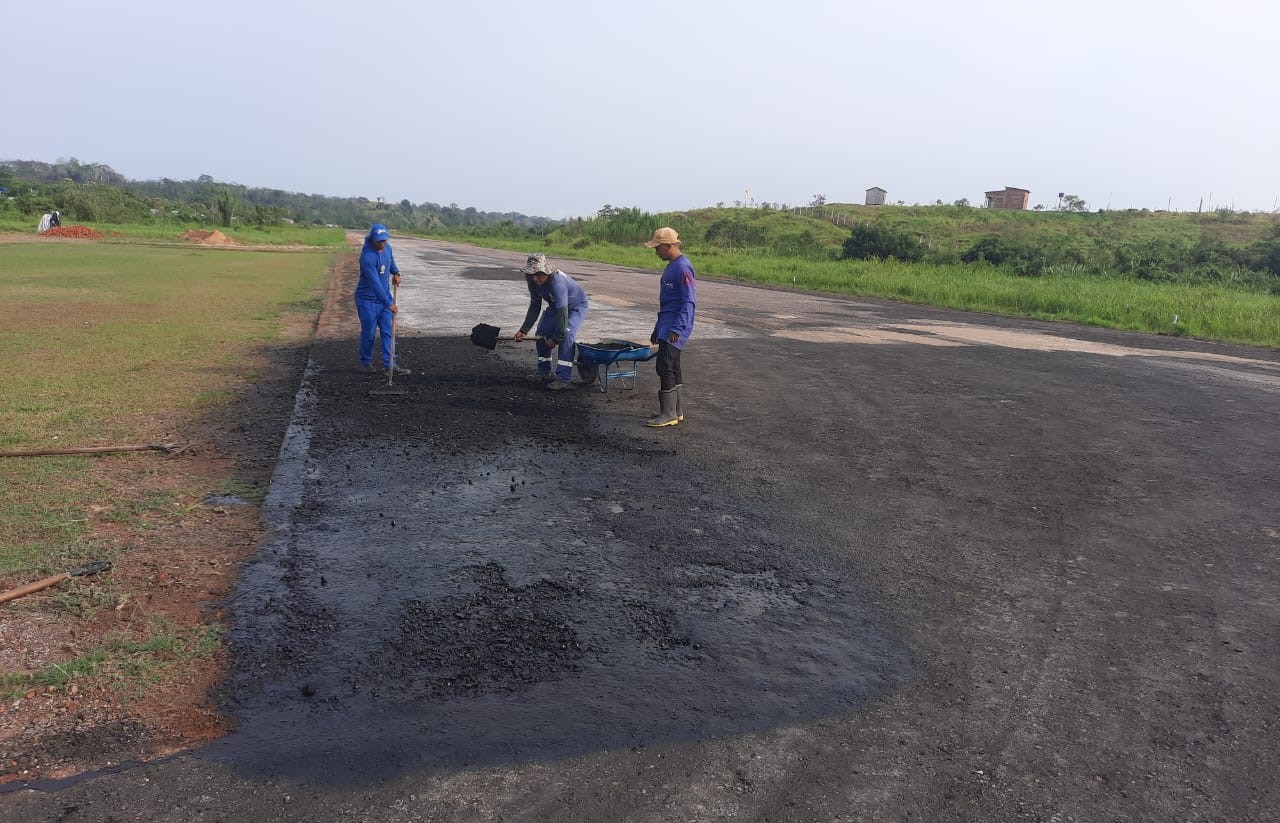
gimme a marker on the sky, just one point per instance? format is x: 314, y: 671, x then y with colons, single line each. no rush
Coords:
x: 557, y: 108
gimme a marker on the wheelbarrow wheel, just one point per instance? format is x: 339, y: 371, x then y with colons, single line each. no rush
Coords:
x: 588, y: 372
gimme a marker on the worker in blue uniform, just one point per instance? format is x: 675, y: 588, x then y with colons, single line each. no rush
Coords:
x: 375, y: 302
x: 677, y: 304
x: 558, y: 329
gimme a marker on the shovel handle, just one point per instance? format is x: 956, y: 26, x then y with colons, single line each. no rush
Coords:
x: 31, y: 588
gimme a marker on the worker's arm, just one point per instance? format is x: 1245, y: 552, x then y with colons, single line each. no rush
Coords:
x: 531, y: 316
x: 562, y: 322
x: 687, y: 288
x: 560, y: 299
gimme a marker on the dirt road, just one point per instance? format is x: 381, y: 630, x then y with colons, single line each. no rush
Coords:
x: 897, y: 564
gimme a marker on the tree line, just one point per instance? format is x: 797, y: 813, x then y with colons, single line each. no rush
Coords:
x: 94, y: 192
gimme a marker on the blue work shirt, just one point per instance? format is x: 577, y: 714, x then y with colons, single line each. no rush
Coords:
x: 561, y: 293
x: 376, y: 270
x: 678, y: 294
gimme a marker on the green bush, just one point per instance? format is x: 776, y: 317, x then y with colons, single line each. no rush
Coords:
x: 993, y: 250
x: 732, y: 233
x: 870, y: 241
x: 1264, y: 255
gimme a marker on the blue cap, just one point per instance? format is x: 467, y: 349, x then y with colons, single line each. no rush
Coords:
x: 378, y: 232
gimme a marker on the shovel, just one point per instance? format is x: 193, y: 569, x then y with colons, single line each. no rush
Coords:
x: 92, y: 567
x: 486, y: 337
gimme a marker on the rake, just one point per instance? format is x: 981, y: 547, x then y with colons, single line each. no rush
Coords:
x: 390, y: 389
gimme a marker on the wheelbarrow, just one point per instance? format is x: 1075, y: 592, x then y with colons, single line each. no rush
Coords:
x: 613, y: 361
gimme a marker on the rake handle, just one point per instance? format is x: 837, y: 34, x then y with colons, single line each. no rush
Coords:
x: 391, y: 367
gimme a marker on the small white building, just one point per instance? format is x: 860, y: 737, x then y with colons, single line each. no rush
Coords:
x: 875, y: 196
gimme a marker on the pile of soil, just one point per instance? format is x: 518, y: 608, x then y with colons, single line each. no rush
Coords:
x: 206, y: 238
x: 79, y: 232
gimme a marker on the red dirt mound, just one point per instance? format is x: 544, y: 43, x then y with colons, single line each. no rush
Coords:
x: 81, y: 232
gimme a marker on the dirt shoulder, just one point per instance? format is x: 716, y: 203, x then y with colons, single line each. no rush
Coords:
x: 174, y: 566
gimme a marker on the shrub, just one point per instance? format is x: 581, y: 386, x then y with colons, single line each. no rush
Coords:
x: 993, y: 250
x: 1264, y: 255
x: 732, y: 233
x: 873, y: 242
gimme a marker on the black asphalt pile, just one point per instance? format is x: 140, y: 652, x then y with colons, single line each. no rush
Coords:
x: 498, y: 638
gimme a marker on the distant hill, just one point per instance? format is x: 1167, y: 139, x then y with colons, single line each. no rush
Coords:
x: 72, y: 170
x: 203, y: 200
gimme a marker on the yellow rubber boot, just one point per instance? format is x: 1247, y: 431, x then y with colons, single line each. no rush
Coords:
x: 666, y: 417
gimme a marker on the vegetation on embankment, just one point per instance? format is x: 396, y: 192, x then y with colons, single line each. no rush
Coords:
x: 1212, y: 276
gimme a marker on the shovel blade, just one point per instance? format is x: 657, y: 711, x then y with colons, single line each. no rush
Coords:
x: 485, y: 336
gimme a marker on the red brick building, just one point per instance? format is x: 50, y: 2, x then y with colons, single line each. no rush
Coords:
x: 1010, y: 198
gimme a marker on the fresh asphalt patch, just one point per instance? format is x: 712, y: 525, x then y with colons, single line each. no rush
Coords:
x: 474, y: 575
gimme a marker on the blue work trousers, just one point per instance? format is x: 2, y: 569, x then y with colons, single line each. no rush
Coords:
x: 568, y: 347
x: 374, y: 318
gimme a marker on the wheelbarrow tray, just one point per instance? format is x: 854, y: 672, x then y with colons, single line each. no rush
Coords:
x: 605, y: 352
x: 609, y: 360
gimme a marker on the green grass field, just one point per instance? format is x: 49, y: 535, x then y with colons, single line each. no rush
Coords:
x: 109, y: 344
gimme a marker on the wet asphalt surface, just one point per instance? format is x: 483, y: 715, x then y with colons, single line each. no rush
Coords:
x: 887, y: 569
